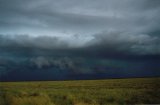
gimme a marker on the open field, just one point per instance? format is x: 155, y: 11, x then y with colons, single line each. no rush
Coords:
x: 81, y: 92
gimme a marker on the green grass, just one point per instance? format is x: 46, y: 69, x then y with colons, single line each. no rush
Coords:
x: 82, y: 92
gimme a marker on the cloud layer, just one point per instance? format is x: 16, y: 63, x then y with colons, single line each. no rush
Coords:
x: 54, y: 17
x: 131, y: 26
x: 106, y: 42
x: 79, y: 39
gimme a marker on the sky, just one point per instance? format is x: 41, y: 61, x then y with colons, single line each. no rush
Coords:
x: 79, y: 39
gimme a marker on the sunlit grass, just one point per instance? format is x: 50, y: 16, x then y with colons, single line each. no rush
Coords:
x: 84, y: 92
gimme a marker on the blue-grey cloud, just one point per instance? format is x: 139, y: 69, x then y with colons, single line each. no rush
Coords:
x: 74, y: 17
x: 134, y: 24
x: 107, y: 41
x: 79, y: 39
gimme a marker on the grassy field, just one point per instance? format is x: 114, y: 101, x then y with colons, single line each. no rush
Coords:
x: 82, y: 92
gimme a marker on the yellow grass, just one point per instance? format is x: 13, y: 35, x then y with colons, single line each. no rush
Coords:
x: 82, y: 92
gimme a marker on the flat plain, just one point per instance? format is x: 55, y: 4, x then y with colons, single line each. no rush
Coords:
x: 82, y: 92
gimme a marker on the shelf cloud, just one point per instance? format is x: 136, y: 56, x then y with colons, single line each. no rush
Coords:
x: 80, y: 37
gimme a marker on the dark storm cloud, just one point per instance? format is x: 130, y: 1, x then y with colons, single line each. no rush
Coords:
x: 62, y: 39
x: 65, y: 67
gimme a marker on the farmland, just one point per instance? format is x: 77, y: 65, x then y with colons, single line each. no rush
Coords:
x: 82, y: 92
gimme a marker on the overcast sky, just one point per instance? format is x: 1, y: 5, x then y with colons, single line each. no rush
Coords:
x: 81, y: 23
x: 79, y: 39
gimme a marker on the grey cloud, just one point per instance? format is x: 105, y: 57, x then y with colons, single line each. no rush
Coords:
x: 61, y: 63
x: 60, y: 39
x: 131, y: 26
x: 40, y: 62
x: 79, y: 16
x: 126, y: 42
x: 105, y: 42
x: 44, y: 42
x: 72, y: 65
